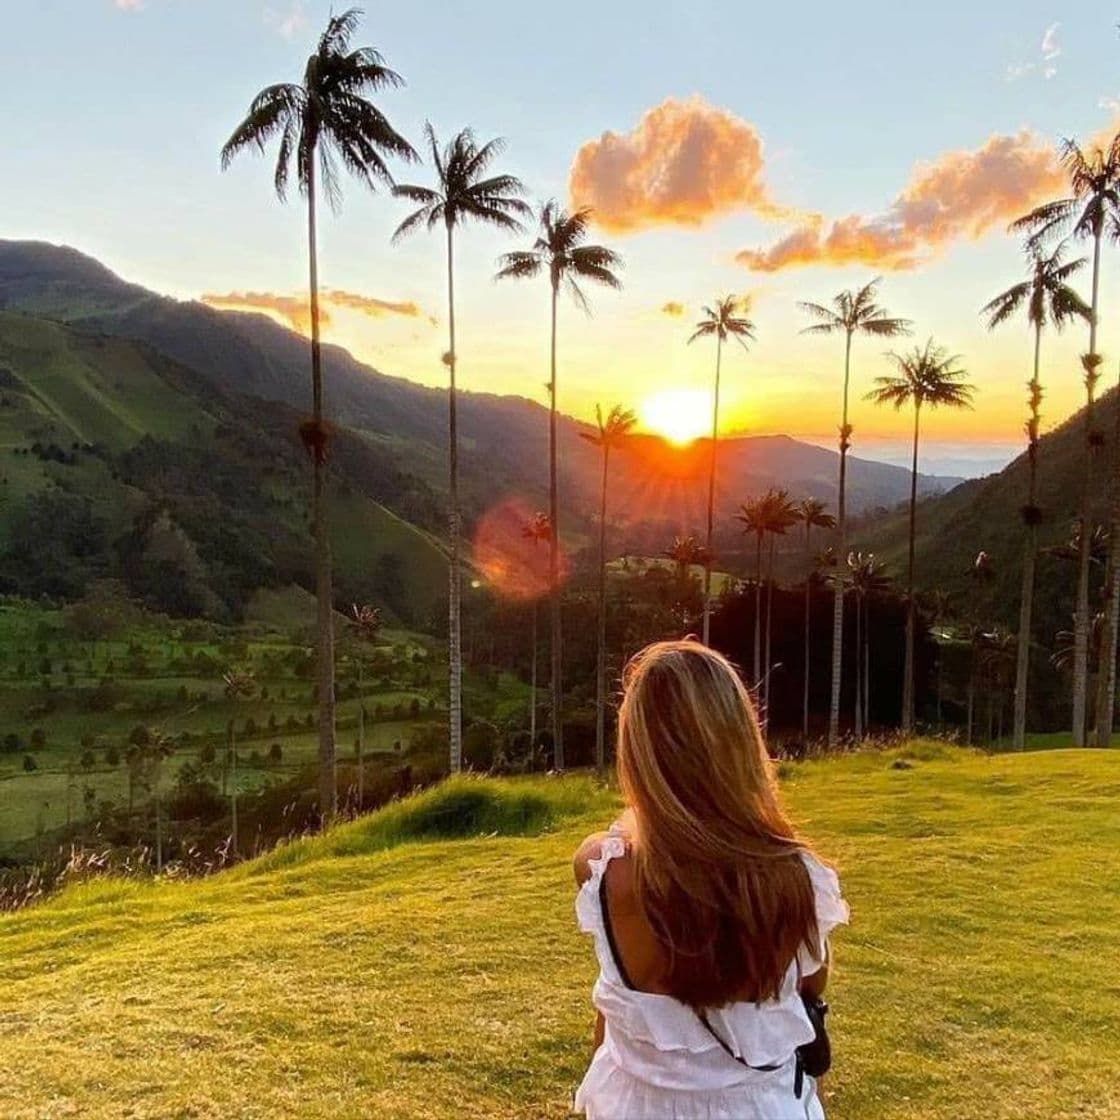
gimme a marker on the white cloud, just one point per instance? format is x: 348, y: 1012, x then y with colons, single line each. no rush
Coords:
x: 289, y: 21
x: 128, y: 5
x: 1046, y: 64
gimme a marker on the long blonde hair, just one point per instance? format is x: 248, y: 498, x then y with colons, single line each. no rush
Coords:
x: 718, y: 868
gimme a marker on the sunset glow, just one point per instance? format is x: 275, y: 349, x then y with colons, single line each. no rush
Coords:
x: 680, y: 415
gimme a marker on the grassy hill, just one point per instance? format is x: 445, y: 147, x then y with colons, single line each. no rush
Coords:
x: 984, y: 514
x: 659, y: 489
x: 108, y: 432
x: 389, y: 969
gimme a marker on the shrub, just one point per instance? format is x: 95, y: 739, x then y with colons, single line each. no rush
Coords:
x: 38, y: 738
x: 29, y: 763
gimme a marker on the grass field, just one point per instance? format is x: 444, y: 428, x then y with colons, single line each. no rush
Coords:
x: 383, y: 971
x: 166, y: 676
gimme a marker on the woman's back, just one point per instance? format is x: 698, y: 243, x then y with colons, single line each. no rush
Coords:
x: 709, y: 917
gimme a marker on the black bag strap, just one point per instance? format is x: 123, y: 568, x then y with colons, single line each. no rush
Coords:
x: 608, y: 929
x: 616, y: 957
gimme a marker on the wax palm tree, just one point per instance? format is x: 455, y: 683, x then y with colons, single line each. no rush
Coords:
x: 721, y: 321
x: 812, y: 514
x: 465, y: 191
x: 366, y: 623
x: 1049, y: 301
x: 612, y: 432
x: 752, y: 513
x: 239, y: 685
x: 538, y: 530
x: 868, y: 577
x: 1110, y: 627
x: 851, y: 313
x: 1091, y: 211
x: 940, y: 607
x: 780, y: 516
x: 927, y: 377
x: 561, y: 251
x: 321, y: 122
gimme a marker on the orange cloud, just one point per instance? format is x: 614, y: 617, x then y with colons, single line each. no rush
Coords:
x: 295, y: 311
x: 673, y: 309
x: 292, y: 311
x: 962, y: 194
x: 367, y: 305
x: 685, y: 163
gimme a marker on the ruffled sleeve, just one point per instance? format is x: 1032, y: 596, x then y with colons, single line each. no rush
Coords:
x: 589, y: 913
x: 832, y: 911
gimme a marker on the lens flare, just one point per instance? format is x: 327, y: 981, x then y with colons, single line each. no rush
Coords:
x: 510, y: 560
x: 680, y: 415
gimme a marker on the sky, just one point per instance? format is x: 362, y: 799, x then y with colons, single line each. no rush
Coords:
x: 776, y: 152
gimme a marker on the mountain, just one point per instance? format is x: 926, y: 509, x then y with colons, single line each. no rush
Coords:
x: 984, y: 514
x: 657, y: 490
x: 117, y: 462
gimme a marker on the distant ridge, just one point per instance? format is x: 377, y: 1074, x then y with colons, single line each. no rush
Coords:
x: 657, y: 487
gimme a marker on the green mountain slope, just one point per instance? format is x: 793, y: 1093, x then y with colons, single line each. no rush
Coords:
x: 659, y: 488
x: 116, y: 461
x: 984, y: 514
x: 383, y: 971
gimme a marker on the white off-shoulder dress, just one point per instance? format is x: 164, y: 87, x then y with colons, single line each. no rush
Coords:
x: 659, y: 1062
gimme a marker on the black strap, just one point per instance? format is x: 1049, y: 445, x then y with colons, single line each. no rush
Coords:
x: 612, y: 946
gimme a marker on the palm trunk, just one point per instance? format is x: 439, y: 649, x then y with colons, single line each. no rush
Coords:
x: 859, y: 671
x: 1106, y: 683
x: 1030, y: 551
x: 808, y: 609
x: 554, y: 557
x: 711, y: 499
x: 361, y: 754
x: 769, y: 627
x: 533, y: 685
x: 842, y: 524
x: 601, y: 650
x: 908, y: 668
x: 971, y: 698
x: 1081, y: 614
x: 866, y: 667
x: 328, y: 795
x: 233, y: 790
x: 454, y: 614
x: 758, y: 611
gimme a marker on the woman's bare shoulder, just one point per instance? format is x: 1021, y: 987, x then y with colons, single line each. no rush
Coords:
x: 591, y: 848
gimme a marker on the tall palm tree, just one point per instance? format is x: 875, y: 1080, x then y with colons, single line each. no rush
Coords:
x: 538, y: 530
x: 813, y: 515
x: 612, y: 432
x: 561, y: 251
x: 239, y: 685
x: 1089, y: 212
x: 868, y: 578
x: 1049, y: 301
x: 722, y: 322
x: 927, y: 377
x: 851, y: 313
x: 1110, y: 627
x: 464, y: 191
x: 752, y: 513
x: 366, y: 623
x: 325, y: 120
x: 780, y: 516
x: 941, y: 609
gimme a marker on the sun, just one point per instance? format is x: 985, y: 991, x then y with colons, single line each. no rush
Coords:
x: 680, y: 415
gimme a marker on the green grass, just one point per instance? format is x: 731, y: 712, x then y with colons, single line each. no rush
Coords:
x: 386, y: 970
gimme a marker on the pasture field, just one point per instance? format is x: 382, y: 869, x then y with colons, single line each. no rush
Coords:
x: 71, y: 705
x: 423, y: 962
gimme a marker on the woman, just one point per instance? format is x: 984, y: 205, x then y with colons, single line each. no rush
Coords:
x: 710, y: 917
